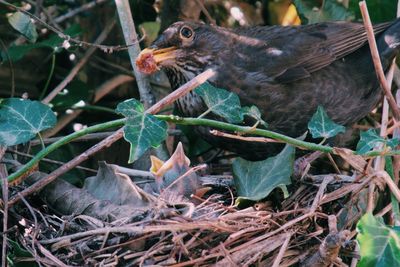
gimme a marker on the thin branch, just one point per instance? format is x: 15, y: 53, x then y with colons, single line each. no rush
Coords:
x: 4, y: 188
x: 377, y: 60
x: 282, y: 251
x: 128, y: 29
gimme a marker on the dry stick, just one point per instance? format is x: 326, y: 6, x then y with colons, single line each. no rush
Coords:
x: 377, y: 61
x: 103, y: 35
x: 282, y: 251
x: 50, y: 256
x: 379, y: 163
x: 310, y: 213
x: 392, y: 186
x: 204, y: 225
x: 3, y: 176
x: 100, y: 92
x: 384, y: 85
x: 169, y: 99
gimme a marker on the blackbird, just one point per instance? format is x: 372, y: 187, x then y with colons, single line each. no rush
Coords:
x: 287, y: 72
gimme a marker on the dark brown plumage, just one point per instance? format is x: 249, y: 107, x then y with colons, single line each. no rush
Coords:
x: 285, y: 71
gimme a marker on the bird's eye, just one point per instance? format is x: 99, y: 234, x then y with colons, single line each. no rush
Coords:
x: 186, y: 32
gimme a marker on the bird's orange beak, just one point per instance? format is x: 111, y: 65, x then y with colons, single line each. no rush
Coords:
x: 150, y: 59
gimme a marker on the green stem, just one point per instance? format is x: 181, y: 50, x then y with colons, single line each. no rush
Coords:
x: 41, y: 140
x: 44, y: 152
x: 53, y: 64
x: 265, y: 133
x: 245, y: 129
x: 186, y: 121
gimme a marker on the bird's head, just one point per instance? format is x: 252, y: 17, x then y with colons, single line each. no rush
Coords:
x: 185, y: 49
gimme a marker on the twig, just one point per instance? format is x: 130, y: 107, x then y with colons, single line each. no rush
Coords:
x: 50, y: 256
x: 392, y: 186
x: 310, y: 213
x: 208, y: 225
x: 103, y: 35
x: 184, y: 89
x: 128, y: 29
x: 132, y: 172
x: 282, y: 251
x: 4, y: 188
x: 377, y: 60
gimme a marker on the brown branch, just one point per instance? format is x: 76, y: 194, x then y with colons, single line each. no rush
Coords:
x: 4, y: 187
x: 169, y: 99
x: 377, y: 60
x: 282, y: 251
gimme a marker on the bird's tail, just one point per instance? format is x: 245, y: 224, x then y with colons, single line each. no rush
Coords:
x: 388, y: 43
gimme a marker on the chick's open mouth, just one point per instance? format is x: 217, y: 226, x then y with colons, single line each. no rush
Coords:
x: 150, y: 59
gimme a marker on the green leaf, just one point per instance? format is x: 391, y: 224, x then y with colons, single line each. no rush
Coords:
x: 379, y: 244
x: 21, y: 120
x: 221, y: 102
x: 370, y: 139
x: 255, y: 180
x: 321, y: 125
x: 254, y: 113
x: 24, y: 25
x: 311, y: 11
x: 141, y: 130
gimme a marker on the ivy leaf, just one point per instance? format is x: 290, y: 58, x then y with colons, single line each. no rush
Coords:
x: 255, y: 180
x: 24, y: 25
x: 222, y: 102
x: 254, y: 113
x: 321, y: 125
x: 141, y: 130
x: 370, y: 139
x: 21, y: 120
x: 312, y: 11
x: 379, y: 244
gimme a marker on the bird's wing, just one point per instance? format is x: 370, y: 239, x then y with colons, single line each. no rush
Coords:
x: 292, y: 53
